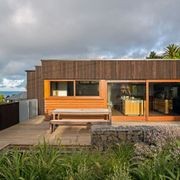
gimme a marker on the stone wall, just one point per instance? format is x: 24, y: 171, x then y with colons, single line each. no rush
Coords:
x: 104, y: 137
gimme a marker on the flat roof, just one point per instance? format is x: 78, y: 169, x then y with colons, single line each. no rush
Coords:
x: 110, y: 59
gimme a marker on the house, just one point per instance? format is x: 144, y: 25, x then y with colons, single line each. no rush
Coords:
x: 17, y: 97
x: 135, y: 90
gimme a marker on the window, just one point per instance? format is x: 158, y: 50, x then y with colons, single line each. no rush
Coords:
x: 87, y: 88
x: 63, y: 88
x: 164, y: 99
x: 126, y: 99
x: 72, y: 88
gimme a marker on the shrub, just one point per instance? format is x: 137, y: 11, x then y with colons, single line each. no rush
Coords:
x: 45, y: 162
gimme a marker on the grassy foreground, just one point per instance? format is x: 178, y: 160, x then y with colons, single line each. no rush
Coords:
x: 123, y: 162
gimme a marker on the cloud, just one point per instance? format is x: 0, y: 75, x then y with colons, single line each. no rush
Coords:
x: 7, y: 83
x: 34, y: 29
x: 23, y: 15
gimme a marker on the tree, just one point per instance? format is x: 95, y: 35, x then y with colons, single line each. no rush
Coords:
x: 153, y: 55
x: 1, y: 98
x: 172, y: 51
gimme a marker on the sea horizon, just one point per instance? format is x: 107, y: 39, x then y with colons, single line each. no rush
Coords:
x: 10, y: 93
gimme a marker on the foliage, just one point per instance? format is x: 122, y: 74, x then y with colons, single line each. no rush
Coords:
x: 172, y: 51
x: 45, y: 162
x: 1, y: 98
x: 154, y: 55
x: 164, y: 164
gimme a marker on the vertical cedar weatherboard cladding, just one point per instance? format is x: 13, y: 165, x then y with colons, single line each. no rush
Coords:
x: 111, y: 69
x: 98, y: 69
x: 35, y: 87
x: 178, y: 70
x: 31, y: 84
x: 39, y: 89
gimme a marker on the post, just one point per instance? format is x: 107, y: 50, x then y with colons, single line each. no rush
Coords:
x: 147, y: 101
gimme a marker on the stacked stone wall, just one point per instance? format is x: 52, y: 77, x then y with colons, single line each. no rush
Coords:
x: 104, y: 137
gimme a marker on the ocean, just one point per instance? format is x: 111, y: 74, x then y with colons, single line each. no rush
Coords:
x: 9, y: 93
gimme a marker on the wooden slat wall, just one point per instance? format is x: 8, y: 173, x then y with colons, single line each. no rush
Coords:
x: 39, y: 89
x: 31, y: 85
x: 35, y: 87
x: 95, y: 70
x: 55, y: 103
x: 111, y: 70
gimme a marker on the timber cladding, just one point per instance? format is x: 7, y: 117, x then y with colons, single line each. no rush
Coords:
x: 52, y: 103
x: 39, y: 89
x: 111, y: 69
x: 96, y: 70
x: 31, y: 85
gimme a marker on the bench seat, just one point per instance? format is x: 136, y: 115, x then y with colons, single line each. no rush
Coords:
x: 76, y: 122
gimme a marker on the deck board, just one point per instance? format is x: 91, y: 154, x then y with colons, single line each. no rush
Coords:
x: 36, y: 130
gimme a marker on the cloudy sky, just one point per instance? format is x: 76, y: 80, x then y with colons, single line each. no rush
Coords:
x: 31, y: 30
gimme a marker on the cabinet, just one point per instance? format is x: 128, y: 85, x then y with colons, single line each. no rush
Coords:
x: 162, y: 105
x: 132, y: 107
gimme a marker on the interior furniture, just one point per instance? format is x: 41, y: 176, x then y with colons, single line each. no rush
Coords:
x: 176, y: 105
x: 132, y: 107
x: 162, y: 105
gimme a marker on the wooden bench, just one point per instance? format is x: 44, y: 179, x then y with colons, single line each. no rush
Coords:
x: 59, y: 113
x: 76, y: 122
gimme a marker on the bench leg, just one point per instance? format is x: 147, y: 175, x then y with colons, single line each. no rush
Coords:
x: 89, y: 125
x: 51, y: 128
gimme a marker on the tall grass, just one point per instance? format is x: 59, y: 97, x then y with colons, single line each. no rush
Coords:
x: 45, y: 162
x: 164, y: 164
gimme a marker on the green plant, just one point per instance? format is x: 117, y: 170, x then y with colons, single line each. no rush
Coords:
x: 163, y: 165
x: 153, y: 55
x: 2, y: 99
x: 46, y: 162
x: 172, y: 51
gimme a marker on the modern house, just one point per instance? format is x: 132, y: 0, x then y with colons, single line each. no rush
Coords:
x: 135, y: 90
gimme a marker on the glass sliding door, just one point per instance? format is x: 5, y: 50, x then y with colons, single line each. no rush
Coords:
x: 126, y: 99
x: 164, y: 99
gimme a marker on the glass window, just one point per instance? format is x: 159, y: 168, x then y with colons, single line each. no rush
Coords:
x: 87, y: 88
x: 62, y: 88
x: 126, y: 99
x: 164, y: 99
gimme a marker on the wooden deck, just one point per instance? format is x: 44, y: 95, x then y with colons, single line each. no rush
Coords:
x: 37, y: 130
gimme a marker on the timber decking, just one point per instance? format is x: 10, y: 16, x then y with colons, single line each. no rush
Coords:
x: 77, y: 122
x: 36, y: 130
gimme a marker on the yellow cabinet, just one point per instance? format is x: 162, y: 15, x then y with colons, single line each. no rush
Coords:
x: 132, y: 107
x: 162, y: 105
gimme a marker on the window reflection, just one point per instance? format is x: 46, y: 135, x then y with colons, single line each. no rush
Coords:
x: 126, y: 98
x: 164, y: 99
